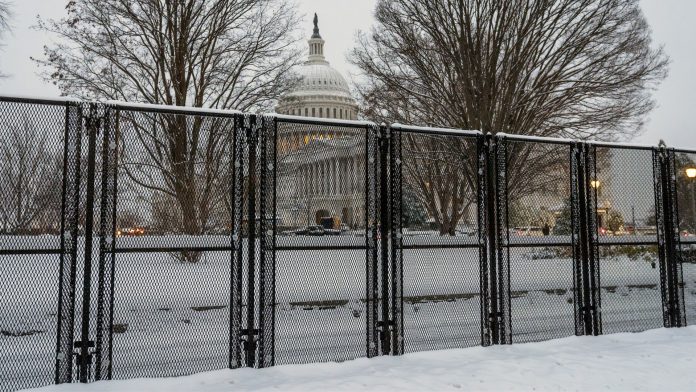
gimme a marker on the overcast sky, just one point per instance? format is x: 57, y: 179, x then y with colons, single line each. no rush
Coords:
x: 339, y: 20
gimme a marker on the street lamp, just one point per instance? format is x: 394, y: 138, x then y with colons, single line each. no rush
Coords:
x: 595, y: 183
x: 691, y: 173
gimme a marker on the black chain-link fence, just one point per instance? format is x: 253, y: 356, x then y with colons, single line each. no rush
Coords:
x: 437, y: 238
x: 151, y: 241
x: 538, y: 239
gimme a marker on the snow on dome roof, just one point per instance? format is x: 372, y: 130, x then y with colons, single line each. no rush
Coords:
x: 317, y: 76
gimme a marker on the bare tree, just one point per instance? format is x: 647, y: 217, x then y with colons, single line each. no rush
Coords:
x: 31, y: 181
x: 4, y: 21
x: 570, y: 68
x: 432, y: 168
x: 201, y: 53
x: 4, y: 16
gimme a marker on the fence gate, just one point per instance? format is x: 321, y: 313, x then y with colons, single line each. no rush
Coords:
x: 170, y: 249
x: 41, y: 150
x: 321, y: 182
x: 434, y: 281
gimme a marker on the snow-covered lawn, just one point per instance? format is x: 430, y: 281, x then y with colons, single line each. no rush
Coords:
x: 656, y: 360
x: 172, y: 319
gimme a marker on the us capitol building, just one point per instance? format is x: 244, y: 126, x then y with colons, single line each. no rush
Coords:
x: 321, y: 169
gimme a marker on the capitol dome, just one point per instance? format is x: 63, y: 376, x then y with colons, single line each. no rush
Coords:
x: 323, y: 91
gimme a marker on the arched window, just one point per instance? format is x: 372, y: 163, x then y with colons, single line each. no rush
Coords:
x: 334, y: 112
x: 314, y: 113
x: 321, y: 112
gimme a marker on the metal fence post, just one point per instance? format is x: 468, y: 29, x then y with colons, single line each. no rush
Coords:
x: 495, y: 292
x: 502, y: 260
x: 237, y: 255
x: 677, y: 281
x: 249, y: 332
x: 586, y: 297
x: 384, y: 324
x: 70, y: 212
x: 671, y: 281
x: 107, y: 244
x: 92, y: 126
x: 483, y: 213
x: 592, y: 245
x: 578, y: 235
x: 396, y: 228
x: 371, y: 234
x: 267, y: 229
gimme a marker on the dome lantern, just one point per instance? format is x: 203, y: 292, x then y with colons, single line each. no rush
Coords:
x: 322, y: 90
x: 316, y: 45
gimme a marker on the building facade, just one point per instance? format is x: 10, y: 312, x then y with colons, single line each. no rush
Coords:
x: 321, y: 170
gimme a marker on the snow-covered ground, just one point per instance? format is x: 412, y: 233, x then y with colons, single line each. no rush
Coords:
x: 172, y: 319
x: 656, y: 360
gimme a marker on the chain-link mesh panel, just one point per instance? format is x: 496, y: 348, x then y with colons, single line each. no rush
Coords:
x: 630, y: 288
x: 627, y: 235
x: 537, y: 239
x: 685, y: 184
x: 39, y: 152
x: 439, y: 239
x: 267, y: 230
x: 323, y: 172
x: 176, y: 290
x: 688, y: 257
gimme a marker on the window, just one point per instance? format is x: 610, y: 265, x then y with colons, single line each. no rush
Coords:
x: 306, y: 112
x: 314, y: 113
x: 341, y: 112
x: 334, y: 116
x: 321, y: 112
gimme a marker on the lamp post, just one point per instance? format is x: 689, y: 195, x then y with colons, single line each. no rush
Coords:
x: 595, y: 184
x: 691, y: 174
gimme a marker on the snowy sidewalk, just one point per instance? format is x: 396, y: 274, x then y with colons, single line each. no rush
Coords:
x: 656, y: 360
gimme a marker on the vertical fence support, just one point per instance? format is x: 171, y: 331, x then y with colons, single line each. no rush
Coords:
x: 238, y: 142
x: 584, y: 241
x: 107, y: 244
x: 70, y: 212
x: 578, y: 235
x: 396, y: 239
x: 386, y: 323
x: 371, y: 235
x: 85, y: 344
x: 249, y: 331
x: 502, y: 237
x: 483, y: 213
x: 267, y: 229
x: 671, y: 281
x: 495, y: 274
x: 593, y: 240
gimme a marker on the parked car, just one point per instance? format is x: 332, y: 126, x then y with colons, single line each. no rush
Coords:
x: 531, y: 231
x: 314, y: 230
x: 466, y: 230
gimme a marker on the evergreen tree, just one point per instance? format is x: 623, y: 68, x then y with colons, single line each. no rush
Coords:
x: 564, y: 222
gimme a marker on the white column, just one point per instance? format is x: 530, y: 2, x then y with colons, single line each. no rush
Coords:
x: 353, y: 173
x: 340, y: 176
x: 335, y: 176
x: 327, y: 177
